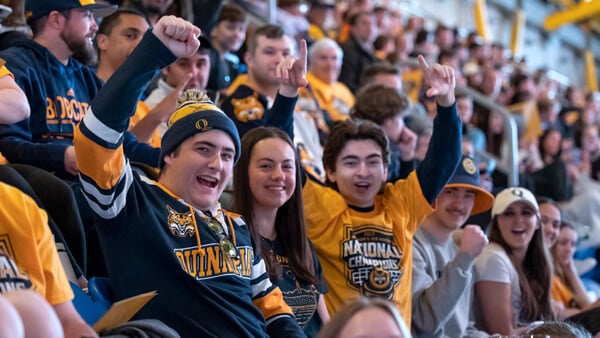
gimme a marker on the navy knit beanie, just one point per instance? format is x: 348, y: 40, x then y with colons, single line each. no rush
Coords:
x: 195, y: 114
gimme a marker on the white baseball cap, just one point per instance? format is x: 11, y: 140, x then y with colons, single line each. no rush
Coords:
x: 509, y: 196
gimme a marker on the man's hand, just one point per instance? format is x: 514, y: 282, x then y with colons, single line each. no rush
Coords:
x: 472, y: 240
x: 292, y: 72
x: 178, y: 35
x: 71, y: 161
x: 441, y: 82
x: 407, y: 144
x: 144, y: 129
x: 166, y: 107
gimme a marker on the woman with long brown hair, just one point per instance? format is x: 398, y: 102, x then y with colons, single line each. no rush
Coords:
x: 512, y: 288
x: 267, y: 191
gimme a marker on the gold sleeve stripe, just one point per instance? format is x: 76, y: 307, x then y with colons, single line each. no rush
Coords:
x: 4, y: 71
x: 272, y: 304
x: 102, y: 165
x: 106, y: 176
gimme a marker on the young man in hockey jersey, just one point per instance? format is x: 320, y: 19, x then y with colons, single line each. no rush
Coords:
x: 171, y: 235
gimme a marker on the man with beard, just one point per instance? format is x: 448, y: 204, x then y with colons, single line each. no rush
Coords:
x: 442, y: 277
x: 59, y: 89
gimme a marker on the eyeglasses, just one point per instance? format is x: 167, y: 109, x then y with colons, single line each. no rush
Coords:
x: 227, y: 247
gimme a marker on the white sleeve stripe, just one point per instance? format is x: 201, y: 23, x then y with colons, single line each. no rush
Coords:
x: 117, y: 204
x: 258, y: 270
x: 102, y: 198
x: 261, y: 287
x: 100, y: 129
x: 274, y: 318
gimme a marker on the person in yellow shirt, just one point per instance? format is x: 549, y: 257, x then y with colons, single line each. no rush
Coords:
x: 29, y: 261
x: 332, y: 97
x: 321, y: 17
x: 361, y: 226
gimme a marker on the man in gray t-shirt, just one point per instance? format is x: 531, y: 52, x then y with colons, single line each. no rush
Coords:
x: 442, y: 281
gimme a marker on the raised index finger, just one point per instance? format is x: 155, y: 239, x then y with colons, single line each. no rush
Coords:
x: 302, y: 57
x: 422, y: 63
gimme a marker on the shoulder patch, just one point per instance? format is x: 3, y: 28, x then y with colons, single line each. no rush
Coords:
x: 248, y: 108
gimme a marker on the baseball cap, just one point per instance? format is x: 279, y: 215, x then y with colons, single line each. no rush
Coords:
x: 322, y: 3
x: 467, y: 176
x: 35, y: 9
x: 509, y: 196
x: 195, y: 113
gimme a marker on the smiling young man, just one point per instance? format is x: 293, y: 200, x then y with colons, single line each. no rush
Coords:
x: 361, y: 227
x: 171, y: 235
x: 442, y: 280
x: 255, y: 97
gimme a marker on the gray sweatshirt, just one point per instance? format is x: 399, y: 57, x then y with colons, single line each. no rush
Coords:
x: 442, y: 287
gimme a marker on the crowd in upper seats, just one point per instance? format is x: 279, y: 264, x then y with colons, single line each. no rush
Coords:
x: 273, y: 180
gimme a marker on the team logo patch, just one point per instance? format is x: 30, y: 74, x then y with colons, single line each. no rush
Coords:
x: 373, y: 260
x: 469, y: 166
x: 181, y: 224
x: 379, y: 284
x: 302, y: 299
x: 202, y: 125
x: 248, y: 108
x: 517, y: 192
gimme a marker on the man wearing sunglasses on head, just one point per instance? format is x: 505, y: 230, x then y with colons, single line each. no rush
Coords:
x: 170, y: 235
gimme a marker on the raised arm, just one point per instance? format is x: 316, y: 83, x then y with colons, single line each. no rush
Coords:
x: 444, y: 149
x: 145, y: 128
x: 105, y: 173
x: 292, y: 72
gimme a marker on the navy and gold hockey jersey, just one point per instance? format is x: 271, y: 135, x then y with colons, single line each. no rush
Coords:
x: 249, y: 109
x: 152, y: 240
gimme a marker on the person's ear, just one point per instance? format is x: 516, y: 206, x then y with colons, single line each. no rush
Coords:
x: 56, y: 20
x: 330, y: 175
x: 169, y: 158
x: 248, y: 58
x: 102, y: 42
x: 165, y: 71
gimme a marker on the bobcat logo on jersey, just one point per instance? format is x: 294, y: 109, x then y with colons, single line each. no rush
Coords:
x: 372, y: 260
x: 248, y: 108
x: 379, y: 284
x: 181, y: 224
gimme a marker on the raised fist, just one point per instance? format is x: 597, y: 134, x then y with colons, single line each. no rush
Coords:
x: 178, y: 35
x: 472, y: 240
